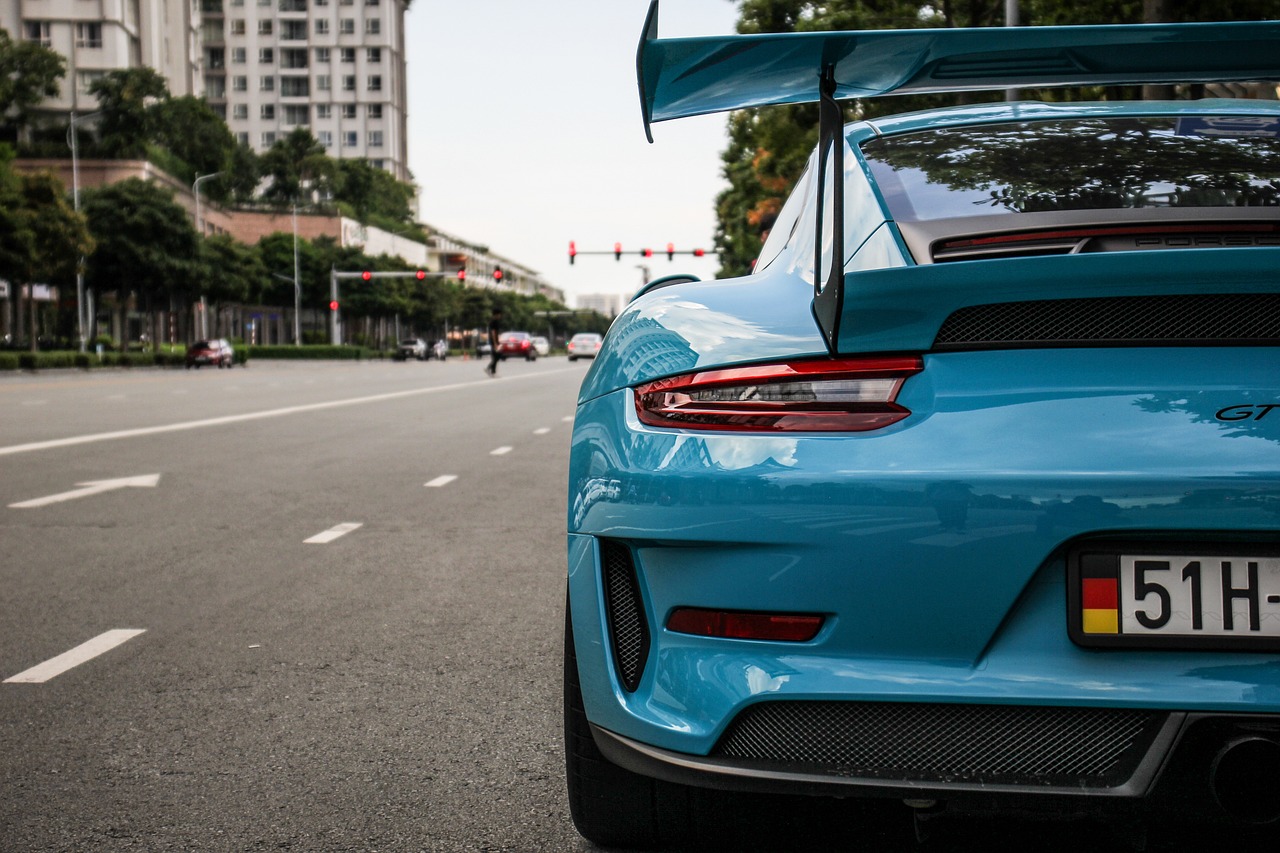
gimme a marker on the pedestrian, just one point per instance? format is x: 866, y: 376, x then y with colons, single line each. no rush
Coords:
x: 495, y: 329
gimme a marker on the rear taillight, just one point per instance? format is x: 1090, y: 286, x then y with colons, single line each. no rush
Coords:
x: 834, y: 395
x: 783, y: 627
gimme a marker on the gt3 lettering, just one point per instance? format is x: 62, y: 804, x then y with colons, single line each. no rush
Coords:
x: 1246, y: 412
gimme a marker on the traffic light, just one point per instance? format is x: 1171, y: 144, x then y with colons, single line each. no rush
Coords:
x: 671, y: 251
x: 617, y: 251
x: 462, y: 275
x: 333, y: 306
x: 366, y: 275
x: 646, y: 253
x: 497, y: 273
x: 421, y: 274
x: 573, y: 252
x: 698, y: 253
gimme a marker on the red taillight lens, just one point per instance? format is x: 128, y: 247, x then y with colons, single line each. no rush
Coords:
x: 784, y: 627
x: 834, y: 395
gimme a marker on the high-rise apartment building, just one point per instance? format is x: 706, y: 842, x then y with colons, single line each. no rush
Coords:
x: 102, y: 36
x: 336, y: 67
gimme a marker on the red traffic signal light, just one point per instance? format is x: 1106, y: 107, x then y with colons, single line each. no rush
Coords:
x: 333, y: 306
x: 697, y: 253
x: 646, y: 253
x: 617, y: 251
x: 497, y: 273
x: 366, y: 275
x: 671, y: 251
x: 573, y: 251
x: 462, y: 275
x: 421, y: 275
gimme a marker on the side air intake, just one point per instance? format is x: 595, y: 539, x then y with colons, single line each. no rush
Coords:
x: 624, y: 609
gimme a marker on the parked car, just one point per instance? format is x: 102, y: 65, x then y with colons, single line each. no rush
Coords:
x: 584, y: 345
x: 966, y: 498
x: 216, y: 351
x: 516, y: 345
x: 415, y: 348
x: 541, y: 346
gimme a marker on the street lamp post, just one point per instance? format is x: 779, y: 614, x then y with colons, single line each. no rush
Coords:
x: 195, y: 190
x: 73, y: 141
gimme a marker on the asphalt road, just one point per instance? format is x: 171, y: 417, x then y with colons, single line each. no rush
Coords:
x: 396, y: 688
x: 392, y: 684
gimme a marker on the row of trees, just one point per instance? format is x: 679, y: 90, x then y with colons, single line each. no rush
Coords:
x: 768, y: 148
x: 141, y: 249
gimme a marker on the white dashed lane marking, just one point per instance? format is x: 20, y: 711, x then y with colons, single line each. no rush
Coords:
x: 333, y: 533
x: 542, y: 430
x: 67, y: 660
x: 442, y: 480
x: 500, y: 451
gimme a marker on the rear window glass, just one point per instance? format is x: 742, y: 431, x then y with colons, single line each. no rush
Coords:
x: 1082, y: 164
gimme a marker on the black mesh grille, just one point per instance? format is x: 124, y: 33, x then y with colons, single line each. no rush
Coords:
x: 1199, y: 319
x: 627, y: 627
x: 936, y: 742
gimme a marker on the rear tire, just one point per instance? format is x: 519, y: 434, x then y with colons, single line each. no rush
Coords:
x: 612, y: 806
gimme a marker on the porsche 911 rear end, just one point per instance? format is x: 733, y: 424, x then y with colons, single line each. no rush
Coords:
x: 994, y: 525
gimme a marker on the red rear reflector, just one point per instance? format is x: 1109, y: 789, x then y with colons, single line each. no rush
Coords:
x: 787, y: 627
x: 832, y: 395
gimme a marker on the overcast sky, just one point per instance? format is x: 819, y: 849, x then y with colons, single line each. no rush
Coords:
x: 525, y: 133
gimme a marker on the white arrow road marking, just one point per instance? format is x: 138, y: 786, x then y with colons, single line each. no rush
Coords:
x: 333, y: 533
x: 500, y: 451
x: 100, y: 644
x: 93, y: 487
x: 442, y: 480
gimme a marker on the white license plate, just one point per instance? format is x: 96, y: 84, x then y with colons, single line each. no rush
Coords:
x: 1224, y: 600
x: 1200, y: 595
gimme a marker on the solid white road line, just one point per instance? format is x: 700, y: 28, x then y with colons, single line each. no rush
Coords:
x: 333, y: 533
x: 442, y: 480
x: 500, y: 451
x: 251, y: 416
x: 84, y: 652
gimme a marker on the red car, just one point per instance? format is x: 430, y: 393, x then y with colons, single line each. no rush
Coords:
x: 516, y: 344
x: 216, y: 351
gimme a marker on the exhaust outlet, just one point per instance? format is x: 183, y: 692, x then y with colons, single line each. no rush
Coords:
x: 1243, y: 779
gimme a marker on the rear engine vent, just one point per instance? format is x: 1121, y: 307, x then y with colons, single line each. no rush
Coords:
x: 994, y: 744
x: 1211, y: 319
x: 1108, y: 238
x: 624, y: 609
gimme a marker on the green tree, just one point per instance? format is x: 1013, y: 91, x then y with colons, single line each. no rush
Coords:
x: 41, y: 235
x: 146, y: 245
x: 29, y: 74
x: 298, y: 168
x: 195, y: 134
x: 230, y: 271
x: 242, y: 175
x: 126, y: 98
x: 371, y: 192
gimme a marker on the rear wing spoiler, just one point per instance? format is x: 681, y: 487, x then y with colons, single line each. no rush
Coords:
x: 696, y: 76
x: 683, y: 77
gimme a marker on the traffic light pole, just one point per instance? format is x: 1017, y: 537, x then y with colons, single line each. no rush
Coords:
x: 335, y: 321
x: 617, y: 251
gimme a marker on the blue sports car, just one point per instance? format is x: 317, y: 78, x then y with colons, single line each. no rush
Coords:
x: 968, y: 497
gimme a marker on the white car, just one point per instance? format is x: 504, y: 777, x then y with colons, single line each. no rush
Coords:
x: 542, y: 346
x: 584, y: 345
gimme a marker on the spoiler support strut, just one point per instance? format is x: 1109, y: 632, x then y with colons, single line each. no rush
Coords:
x: 828, y: 294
